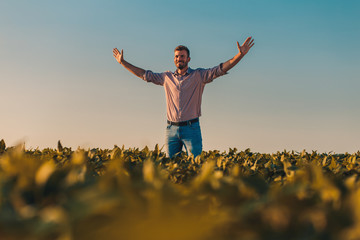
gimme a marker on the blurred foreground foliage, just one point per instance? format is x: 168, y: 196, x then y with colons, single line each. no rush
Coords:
x: 120, y: 193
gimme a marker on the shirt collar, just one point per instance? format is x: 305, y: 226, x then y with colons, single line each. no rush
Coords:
x: 189, y: 70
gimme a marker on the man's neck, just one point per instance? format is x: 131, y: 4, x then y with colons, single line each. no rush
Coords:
x: 182, y: 71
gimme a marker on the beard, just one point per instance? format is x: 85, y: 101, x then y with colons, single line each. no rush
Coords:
x: 181, y: 65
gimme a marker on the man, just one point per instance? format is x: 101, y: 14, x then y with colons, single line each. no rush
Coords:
x: 183, y: 91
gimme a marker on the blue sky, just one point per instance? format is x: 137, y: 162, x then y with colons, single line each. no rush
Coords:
x: 296, y: 89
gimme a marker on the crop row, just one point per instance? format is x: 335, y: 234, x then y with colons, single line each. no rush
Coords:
x: 141, y: 194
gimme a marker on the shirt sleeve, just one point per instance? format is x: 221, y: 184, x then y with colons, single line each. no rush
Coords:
x: 156, y: 78
x: 208, y: 75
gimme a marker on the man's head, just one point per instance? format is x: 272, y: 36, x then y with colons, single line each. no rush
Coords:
x: 181, y: 57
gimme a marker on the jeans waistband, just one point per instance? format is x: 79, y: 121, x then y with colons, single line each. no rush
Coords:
x: 184, y: 123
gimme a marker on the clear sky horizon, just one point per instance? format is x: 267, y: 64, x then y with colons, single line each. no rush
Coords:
x: 296, y: 89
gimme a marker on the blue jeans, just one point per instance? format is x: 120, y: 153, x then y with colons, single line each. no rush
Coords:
x: 188, y: 136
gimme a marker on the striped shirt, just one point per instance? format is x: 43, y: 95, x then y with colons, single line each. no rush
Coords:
x: 183, y: 92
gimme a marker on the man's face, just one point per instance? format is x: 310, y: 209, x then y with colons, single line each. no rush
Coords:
x: 181, y: 59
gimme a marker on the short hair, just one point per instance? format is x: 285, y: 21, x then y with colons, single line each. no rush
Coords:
x: 182, y: 47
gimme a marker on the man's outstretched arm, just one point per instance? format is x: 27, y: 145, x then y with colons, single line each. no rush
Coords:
x: 243, y: 50
x: 119, y: 56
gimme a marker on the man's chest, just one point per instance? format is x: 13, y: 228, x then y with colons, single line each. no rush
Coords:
x: 182, y: 83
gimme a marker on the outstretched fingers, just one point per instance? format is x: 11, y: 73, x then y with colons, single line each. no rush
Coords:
x: 116, y: 51
x: 251, y: 43
x: 245, y: 47
x: 248, y: 41
x: 118, y: 56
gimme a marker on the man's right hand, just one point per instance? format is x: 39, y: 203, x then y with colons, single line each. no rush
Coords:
x: 118, y: 56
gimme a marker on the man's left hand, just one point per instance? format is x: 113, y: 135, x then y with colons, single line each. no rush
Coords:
x: 243, y: 49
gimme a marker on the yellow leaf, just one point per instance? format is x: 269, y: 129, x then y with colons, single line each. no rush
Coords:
x: 44, y: 172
